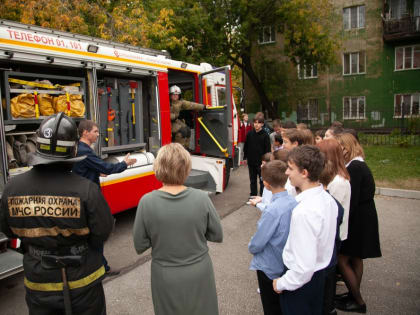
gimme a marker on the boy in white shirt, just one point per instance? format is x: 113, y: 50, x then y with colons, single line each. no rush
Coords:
x: 311, y: 240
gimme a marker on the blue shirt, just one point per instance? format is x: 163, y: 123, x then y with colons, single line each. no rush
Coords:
x: 92, y: 166
x: 266, y: 199
x: 270, y: 238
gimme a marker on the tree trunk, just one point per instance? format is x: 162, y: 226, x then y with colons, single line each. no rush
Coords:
x: 265, y: 102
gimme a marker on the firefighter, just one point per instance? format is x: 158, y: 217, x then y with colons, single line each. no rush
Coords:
x: 181, y: 133
x: 59, y: 217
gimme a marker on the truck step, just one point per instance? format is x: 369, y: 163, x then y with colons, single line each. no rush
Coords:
x: 201, y: 180
x: 11, y: 262
x: 3, y: 238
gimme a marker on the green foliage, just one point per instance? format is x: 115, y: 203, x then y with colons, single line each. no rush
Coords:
x: 124, y: 21
x: 307, y: 31
x: 224, y: 32
x: 216, y: 31
x: 414, y: 125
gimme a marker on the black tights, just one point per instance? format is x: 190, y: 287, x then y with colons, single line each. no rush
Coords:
x: 352, y: 270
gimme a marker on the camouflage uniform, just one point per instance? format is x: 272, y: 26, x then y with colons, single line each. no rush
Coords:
x: 181, y: 133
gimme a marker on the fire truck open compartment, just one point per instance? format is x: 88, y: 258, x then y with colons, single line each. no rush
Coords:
x: 131, y: 98
x: 129, y: 103
x: 35, y: 92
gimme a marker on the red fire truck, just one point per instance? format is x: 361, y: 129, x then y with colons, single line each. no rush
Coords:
x: 125, y: 90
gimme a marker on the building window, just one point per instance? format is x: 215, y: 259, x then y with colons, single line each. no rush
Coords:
x: 354, y: 107
x: 354, y: 17
x: 398, y: 8
x: 267, y: 35
x: 354, y: 63
x: 407, y: 57
x: 307, y: 72
x: 407, y: 104
x: 308, y: 110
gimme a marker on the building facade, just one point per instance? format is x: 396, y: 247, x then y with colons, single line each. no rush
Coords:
x: 375, y: 83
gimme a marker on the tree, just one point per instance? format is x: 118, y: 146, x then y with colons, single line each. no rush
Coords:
x: 224, y: 31
x: 120, y: 20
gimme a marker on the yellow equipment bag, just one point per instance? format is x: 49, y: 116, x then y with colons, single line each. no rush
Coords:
x: 46, y: 103
x: 77, y: 107
x: 23, y: 106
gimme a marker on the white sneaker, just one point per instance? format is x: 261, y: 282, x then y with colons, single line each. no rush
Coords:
x: 258, y: 290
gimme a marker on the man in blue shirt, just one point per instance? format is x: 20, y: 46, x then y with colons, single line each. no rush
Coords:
x: 93, y: 166
x: 270, y: 238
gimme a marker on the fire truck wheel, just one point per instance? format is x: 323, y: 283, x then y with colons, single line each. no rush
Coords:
x: 228, y: 168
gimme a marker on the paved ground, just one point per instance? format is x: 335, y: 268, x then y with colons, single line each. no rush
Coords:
x: 391, y: 285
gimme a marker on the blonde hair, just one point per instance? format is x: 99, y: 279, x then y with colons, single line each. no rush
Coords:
x: 172, y: 165
x: 308, y: 136
x: 352, y: 146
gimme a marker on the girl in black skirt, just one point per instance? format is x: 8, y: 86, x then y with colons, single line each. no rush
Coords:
x: 363, y: 234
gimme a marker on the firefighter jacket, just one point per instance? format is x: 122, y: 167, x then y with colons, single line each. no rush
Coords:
x: 92, y: 166
x: 52, y: 209
x: 177, y: 106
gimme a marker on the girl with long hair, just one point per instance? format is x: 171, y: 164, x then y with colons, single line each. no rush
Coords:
x: 363, y: 233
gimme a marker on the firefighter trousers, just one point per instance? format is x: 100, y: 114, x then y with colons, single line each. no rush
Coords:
x: 89, y: 301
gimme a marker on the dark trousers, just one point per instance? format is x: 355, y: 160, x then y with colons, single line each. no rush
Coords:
x: 269, y: 298
x: 254, y: 176
x: 83, y: 302
x: 307, y: 300
x: 329, y: 290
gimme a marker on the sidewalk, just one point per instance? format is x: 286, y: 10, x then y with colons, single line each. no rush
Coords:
x: 390, y: 284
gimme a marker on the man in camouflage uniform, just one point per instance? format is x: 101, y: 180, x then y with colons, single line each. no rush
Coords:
x: 181, y: 133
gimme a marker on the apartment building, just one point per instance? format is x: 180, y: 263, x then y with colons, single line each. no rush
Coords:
x: 375, y: 82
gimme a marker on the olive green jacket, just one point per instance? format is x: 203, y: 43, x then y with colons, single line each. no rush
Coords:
x: 177, y: 106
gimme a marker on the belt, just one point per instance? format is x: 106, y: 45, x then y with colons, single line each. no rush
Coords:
x: 75, y: 250
x: 58, y: 286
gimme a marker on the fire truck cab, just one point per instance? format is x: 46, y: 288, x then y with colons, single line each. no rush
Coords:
x: 125, y: 90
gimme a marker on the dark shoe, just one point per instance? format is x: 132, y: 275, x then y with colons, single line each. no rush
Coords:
x: 343, y: 297
x: 351, y: 306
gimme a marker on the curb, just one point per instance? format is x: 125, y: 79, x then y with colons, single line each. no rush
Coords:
x: 390, y: 192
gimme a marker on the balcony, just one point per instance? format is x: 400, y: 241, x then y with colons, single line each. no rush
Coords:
x: 407, y: 27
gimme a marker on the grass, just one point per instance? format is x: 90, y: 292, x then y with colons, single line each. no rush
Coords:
x: 394, y: 166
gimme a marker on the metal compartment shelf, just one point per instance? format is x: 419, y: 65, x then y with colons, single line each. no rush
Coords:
x: 63, y: 80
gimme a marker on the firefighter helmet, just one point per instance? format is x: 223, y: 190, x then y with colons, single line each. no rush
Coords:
x: 174, y: 89
x: 56, y: 141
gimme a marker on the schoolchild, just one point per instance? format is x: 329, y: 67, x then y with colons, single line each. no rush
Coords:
x: 272, y: 230
x: 292, y: 138
x: 319, y: 135
x: 244, y: 128
x: 311, y: 239
x: 326, y: 177
x: 278, y: 143
x: 263, y: 201
x: 265, y: 126
x: 257, y: 143
x: 277, y: 131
